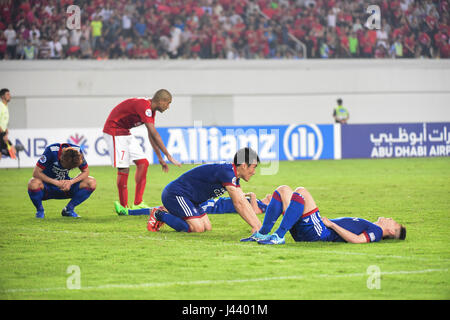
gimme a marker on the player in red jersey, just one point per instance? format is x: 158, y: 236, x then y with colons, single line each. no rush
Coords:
x: 124, y: 147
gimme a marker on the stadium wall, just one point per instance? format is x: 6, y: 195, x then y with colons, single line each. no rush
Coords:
x: 71, y: 94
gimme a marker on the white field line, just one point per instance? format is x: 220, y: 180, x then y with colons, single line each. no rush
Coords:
x: 218, y: 282
x: 241, y: 245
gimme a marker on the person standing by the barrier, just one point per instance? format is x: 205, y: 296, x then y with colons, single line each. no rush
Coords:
x: 340, y: 113
x: 6, y: 147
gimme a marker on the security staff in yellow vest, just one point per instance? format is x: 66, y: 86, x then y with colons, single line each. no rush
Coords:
x: 340, y: 113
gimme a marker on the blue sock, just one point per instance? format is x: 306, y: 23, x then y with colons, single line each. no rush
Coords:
x: 174, y: 222
x: 36, y: 197
x: 80, y: 196
x: 293, y: 212
x: 273, y: 211
x: 139, y: 212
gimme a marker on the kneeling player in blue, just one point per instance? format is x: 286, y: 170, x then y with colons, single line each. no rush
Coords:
x: 302, y: 219
x: 183, y: 196
x: 51, y: 178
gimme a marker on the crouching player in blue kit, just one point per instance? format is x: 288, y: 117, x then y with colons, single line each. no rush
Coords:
x: 183, y: 196
x: 51, y: 178
x: 302, y: 219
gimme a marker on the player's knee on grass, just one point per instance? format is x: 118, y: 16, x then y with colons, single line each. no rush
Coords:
x: 199, y: 225
x: 34, y: 184
x: 207, y: 225
x: 194, y: 227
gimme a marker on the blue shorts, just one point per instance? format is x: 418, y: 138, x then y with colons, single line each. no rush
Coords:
x: 310, y: 228
x: 53, y: 192
x: 180, y: 206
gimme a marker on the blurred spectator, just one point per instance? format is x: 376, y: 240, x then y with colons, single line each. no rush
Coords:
x: 3, y: 45
x: 140, y: 27
x: 11, y: 41
x: 56, y: 48
x: 225, y: 29
x: 85, y: 48
x: 20, y: 45
x: 44, y: 49
x: 396, y: 50
x: 96, y: 27
x: 29, y: 51
x: 353, y: 44
x: 63, y: 36
x: 127, y: 30
x: 35, y: 35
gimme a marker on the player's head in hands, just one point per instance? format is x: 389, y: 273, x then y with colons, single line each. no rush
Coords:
x: 71, y: 158
x: 246, y: 160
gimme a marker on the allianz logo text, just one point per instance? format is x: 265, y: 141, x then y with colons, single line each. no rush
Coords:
x: 303, y: 142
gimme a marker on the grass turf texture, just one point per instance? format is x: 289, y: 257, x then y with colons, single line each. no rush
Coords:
x: 119, y: 259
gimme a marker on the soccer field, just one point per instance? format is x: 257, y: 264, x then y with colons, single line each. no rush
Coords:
x: 115, y: 257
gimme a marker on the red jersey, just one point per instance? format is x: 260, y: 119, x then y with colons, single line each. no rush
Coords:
x: 129, y: 114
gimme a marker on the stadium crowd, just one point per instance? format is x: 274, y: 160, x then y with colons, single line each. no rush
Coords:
x: 223, y: 29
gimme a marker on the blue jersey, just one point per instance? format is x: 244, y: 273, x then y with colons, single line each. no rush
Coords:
x: 49, y: 161
x: 204, y: 182
x: 371, y: 231
x: 225, y: 205
x: 310, y: 227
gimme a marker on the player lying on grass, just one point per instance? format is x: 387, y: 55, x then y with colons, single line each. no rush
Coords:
x: 213, y: 206
x: 183, y: 196
x: 302, y: 219
x: 51, y: 178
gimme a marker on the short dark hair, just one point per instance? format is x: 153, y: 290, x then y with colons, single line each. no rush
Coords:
x: 162, y: 94
x: 402, y: 235
x: 245, y: 155
x: 71, y: 157
x: 3, y: 91
x: 339, y: 101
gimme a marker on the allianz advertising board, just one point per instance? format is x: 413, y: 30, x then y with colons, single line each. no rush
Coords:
x: 210, y: 144
x: 188, y: 144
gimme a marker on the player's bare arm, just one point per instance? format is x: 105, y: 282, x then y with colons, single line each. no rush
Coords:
x: 38, y: 173
x: 253, y: 202
x: 164, y: 165
x: 83, y: 175
x: 153, y: 134
x: 243, y: 207
x: 345, y: 234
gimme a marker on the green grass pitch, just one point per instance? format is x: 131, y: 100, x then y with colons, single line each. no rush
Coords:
x: 117, y: 258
